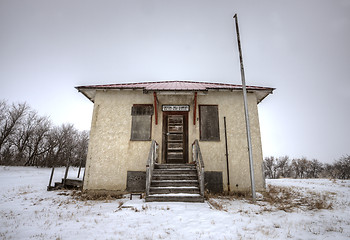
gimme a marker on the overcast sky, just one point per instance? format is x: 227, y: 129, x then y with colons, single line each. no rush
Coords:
x: 300, y: 47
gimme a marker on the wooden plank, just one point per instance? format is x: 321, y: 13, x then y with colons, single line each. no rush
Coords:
x: 175, y: 146
x: 175, y: 129
x: 209, y: 123
x: 175, y: 137
x: 138, y: 110
x: 175, y: 155
x: 141, y: 127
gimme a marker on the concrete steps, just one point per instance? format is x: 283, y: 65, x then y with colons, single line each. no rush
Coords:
x: 174, y: 183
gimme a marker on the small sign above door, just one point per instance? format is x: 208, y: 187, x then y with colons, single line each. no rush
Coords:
x: 176, y: 108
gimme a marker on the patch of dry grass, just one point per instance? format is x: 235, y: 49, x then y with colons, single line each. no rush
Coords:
x: 287, y: 199
x: 97, y: 196
x: 227, y: 195
x: 216, y: 205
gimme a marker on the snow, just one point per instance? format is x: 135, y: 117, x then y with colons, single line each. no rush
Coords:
x: 28, y: 211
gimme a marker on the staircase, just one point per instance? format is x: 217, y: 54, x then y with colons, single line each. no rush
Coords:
x: 174, y: 183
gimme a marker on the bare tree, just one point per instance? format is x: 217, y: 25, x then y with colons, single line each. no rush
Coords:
x: 53, y: 143
x: 81, y: 148
x: 63, y: 142
x: 299, y: 166
x: 21, y: 137
x: 29, y: 139
x: 9, y: 120
x: 37, y: 142
x: 70, y: 138
x: 282, y: 166
x: 304, y: 168
x: 3, y: 110
x: 315, y: 167
x: 270, y: 167
x: 342, y: 168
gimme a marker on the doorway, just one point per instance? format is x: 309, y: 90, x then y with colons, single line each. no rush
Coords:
x: 175, y: 137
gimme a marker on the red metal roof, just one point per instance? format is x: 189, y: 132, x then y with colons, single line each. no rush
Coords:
x: 90, y: 91
x: 173, y: 86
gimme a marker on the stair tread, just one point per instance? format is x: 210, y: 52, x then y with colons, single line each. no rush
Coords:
x: 171, y: 181
x: 176, y: 199
x: 188, y: 174
x: 174, y: 164
x: 169, y: 177
x: 181, y: 187
x: 162, y: 166
x: 174, y: 170
x: 174, y: 195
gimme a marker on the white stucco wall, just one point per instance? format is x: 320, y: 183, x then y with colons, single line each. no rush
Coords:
x: 111, y: 153
x: 231, y: 106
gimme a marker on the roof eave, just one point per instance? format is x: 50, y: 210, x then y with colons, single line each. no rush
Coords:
x: 81, y: 90
x: 92, y: 89
x: 268, y: 92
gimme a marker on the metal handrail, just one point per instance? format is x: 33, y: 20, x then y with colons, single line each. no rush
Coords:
x: 152, y: 159
x: 198, y: 159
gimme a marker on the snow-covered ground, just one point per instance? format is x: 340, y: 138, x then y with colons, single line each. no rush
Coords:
x: 28, y: 211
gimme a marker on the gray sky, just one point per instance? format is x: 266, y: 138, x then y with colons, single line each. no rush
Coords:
x: 300, y: 47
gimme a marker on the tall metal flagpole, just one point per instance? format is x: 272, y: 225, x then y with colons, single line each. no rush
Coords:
x: 246, y: 113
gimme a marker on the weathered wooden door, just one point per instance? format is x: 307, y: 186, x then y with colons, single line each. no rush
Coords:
x: 175, y: 137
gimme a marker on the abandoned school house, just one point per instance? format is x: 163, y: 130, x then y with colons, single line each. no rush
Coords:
x: 169, y: 139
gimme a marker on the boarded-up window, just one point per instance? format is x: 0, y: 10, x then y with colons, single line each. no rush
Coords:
x: 141, y: 126
x: 209, y: 123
